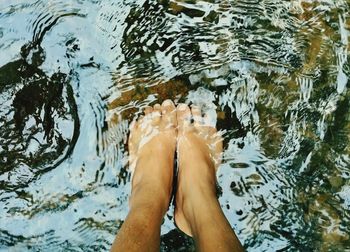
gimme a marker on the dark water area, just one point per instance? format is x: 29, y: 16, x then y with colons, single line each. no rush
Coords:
x: 73, y: 74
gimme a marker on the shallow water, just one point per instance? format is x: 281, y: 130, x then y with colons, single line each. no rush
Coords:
x: 73, y: 74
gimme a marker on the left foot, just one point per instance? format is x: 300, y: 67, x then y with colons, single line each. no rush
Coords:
x: 152, y: 146
x: 199, y: 149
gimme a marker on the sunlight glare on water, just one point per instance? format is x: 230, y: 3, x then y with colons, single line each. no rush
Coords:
x: 74, y: 74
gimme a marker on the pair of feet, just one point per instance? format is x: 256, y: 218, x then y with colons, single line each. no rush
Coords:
x: 154, y: 139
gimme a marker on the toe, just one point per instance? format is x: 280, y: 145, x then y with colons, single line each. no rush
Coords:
x: 148, y: 110
x: 144, y: 121
x: 169, y: 113
x: 157, y: 107
x: 183, y: 114
x: 156, y: 114
x: 140, y: 121
x: 133, y: 126
x: 197, y: 116
x: 167, y: 107
x: 132, y: 129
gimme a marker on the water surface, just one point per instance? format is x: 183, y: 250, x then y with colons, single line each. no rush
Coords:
x: 74, y: 74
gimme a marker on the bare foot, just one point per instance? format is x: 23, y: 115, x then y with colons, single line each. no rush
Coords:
x: 199, y: 153
x: 152, y: 145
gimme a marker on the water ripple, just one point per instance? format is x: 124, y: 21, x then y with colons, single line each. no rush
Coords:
x: 275, y: 73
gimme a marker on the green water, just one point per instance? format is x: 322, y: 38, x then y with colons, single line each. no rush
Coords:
x: 73, y: 74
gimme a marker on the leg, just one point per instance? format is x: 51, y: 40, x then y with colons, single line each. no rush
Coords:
x: 198, y: 212
x: 152, y: 146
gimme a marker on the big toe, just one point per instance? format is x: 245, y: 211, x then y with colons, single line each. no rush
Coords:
x: 183, y: 114
x: 148, y: 110
x: 168, y: 113
x: 156, y: 114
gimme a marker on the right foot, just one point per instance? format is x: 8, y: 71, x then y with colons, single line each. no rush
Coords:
x: 152, y: 144
x: 199, y: 148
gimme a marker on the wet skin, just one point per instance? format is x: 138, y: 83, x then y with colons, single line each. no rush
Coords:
x: 154, y: 138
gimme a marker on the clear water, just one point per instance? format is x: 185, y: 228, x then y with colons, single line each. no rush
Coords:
x: 74, y: 73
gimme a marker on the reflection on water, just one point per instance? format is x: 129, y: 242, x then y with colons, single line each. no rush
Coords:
x: 73, y: 75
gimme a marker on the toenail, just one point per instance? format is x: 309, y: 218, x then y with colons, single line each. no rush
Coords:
x: 182, y: 106
x: 167, y: 103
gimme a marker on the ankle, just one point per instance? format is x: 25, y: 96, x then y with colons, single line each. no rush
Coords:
x: 197, y: 195
x: 194, y: 195
x: 149, y: 195
x: 196, y: 204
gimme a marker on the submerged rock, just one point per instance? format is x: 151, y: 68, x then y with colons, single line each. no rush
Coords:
x: 38, y: 119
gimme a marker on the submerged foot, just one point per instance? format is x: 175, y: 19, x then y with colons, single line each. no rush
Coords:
x: 152, y: 145
x: 199, y: 149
